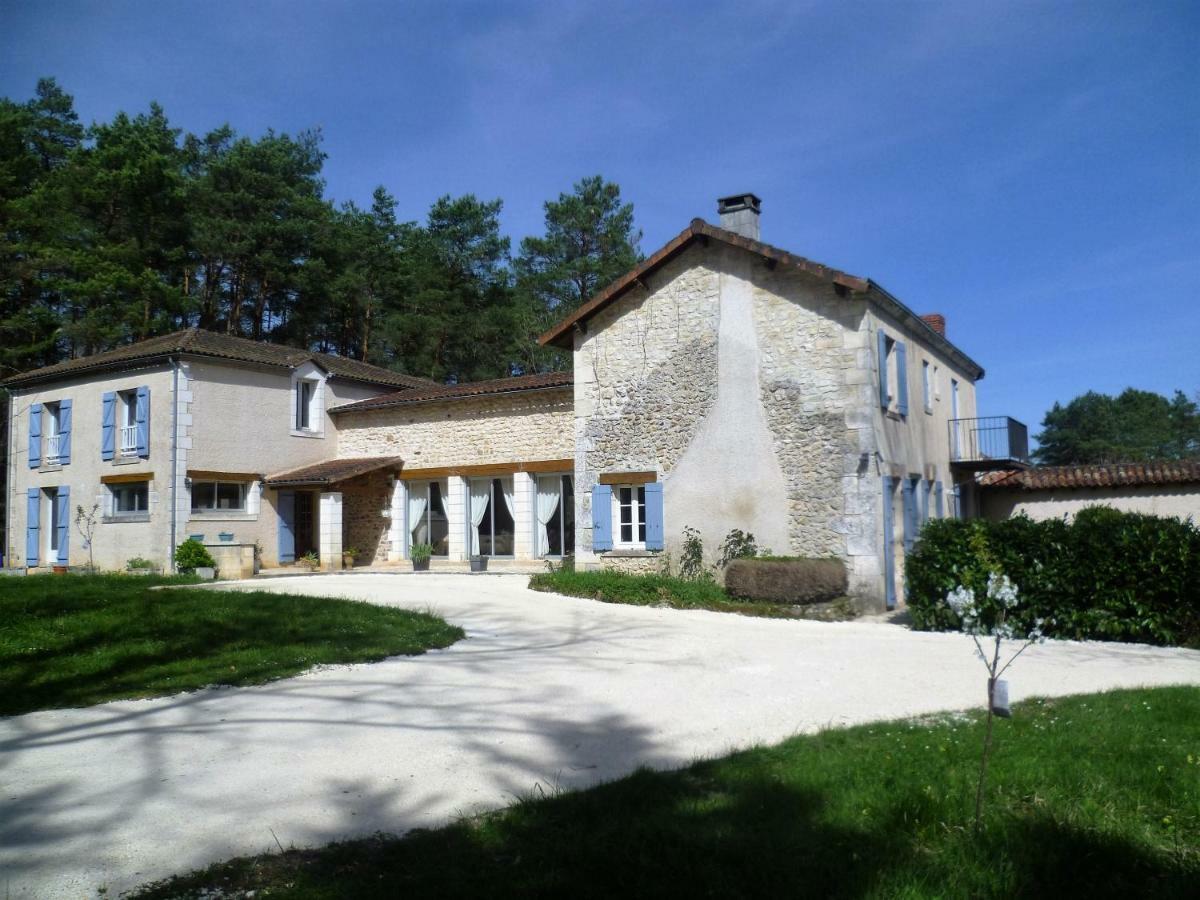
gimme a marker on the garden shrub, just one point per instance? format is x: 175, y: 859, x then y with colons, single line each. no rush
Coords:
x: 192, y: 555
x: 1108, y: 575
x: 786, y: 580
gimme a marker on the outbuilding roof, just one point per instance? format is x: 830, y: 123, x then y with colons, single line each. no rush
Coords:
x: 1094, y: 476
x: 211, y: 344
x: 700, y: 231
x: 519, y: 384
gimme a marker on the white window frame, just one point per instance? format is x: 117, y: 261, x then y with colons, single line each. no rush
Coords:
x: 637, y: 507
x: 51, y: 425
x: 244, y: 494
x: 927, y: 384
x: 127, y: 424
x: 426, y: 488
x: 893, y: 375
x: 115, y: 491
x: 313, y: 377
x: 562, y: 520
x: 937, y: 383
x: 50, y: 501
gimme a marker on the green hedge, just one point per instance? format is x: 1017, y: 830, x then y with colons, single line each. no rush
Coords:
x: 1108, y: 575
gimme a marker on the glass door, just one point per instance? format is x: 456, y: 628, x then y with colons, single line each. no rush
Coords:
x: 427, y: 515
x: 555, y: 512
x: 491, y: 517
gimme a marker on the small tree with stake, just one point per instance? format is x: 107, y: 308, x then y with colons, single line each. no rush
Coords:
x: 85, y: 522
x: 986, y: 621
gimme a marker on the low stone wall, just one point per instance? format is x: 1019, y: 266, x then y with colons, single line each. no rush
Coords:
x: 633, y: 565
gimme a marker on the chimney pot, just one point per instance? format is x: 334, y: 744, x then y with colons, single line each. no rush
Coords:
x: 936, y: 321
x: 739, y: 214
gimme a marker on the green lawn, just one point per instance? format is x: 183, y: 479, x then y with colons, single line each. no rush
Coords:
x: 676, y: 593
x: 75, y: 640
x: 1090, y: 796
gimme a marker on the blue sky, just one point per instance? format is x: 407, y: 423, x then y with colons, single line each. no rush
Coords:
x: 1030, y: 170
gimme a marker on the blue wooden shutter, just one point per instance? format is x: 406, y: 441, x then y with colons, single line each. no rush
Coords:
x: 926, y: 487
x: 939, y: 505
x: 285, y: 504
x: 889, y: 547
x: 910, y: 514
x: 35, y: 435
x: 883, y: 367
x: 63, y: 502
x: 33, y: 514
x: 143, y: 422
x: 654, y: 516
x: 901, y: 380
x: 602, y: 517
x: 64, y: 432
x: 108, y: 425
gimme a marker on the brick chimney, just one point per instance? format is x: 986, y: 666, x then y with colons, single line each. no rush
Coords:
x: 739, y: 214
x: 936, y: 321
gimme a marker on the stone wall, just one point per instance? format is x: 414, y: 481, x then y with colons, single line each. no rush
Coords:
x: 364, y: 526
x: 507, y: 428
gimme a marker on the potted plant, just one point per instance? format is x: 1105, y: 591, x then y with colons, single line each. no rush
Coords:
x: 349, y: 555
x: 139, y: 566
x: 419, y: 554
x: 479, y: 563
x: 193, y: 557
x: 310, y: 561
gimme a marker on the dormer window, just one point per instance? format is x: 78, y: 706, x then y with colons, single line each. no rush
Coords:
x: 308, y: 390
x: 304, y: 399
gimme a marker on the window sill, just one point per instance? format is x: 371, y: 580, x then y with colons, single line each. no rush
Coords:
x: 123, y: 460
x: 307, y: 434
x: 222, y: 516
x: 132, y: 517
x: 629, y: 553
x: 929, y: 410
x: 50, y: 467
x: 894, y: 415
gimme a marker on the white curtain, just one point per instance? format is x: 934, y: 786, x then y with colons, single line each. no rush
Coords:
x: 480, y: 492
x: 417, y: 498
x: 548, y: 492
x: 506, y: 486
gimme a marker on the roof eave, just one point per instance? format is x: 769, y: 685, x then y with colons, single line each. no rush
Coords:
x: 913, y: 320
x: 370, y: 403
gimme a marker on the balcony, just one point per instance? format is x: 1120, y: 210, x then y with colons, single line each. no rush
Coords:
x: 993, y: 442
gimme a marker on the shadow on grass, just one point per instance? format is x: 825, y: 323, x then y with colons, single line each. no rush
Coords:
x: 687, y: 833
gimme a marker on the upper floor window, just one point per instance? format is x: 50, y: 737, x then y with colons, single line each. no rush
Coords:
x: 893, y: 374
x: 927, y: 384
x: 127, y: 417
x: 218, y: 496
x: 52, y: 428
x: 306, y: 396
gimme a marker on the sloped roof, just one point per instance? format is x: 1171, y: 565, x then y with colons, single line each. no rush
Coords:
x: 701, y: 231
x: 1093, y: 476
x: 211, y: 344
x: 332, y: 470
x: 519, y: 384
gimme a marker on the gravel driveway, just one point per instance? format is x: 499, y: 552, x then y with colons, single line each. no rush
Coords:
x: 545, y: 690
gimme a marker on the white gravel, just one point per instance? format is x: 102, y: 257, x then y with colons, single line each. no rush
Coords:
x: 545, y: 691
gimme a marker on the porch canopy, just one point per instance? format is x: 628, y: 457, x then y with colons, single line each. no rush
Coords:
x: 332, y: 471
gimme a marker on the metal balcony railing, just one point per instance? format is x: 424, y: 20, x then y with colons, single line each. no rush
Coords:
x: 52, y: 449
x: 129, y: 440
x: 989, y: 442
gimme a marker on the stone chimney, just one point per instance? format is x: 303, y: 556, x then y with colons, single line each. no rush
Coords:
x: 739, y: 214
x: 936, y: 321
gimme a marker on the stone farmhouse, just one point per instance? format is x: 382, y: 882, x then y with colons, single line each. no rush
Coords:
x: 723, y: 383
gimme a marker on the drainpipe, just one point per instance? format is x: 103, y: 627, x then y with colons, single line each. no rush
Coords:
x: 174, y: 457
x: 9, y: 471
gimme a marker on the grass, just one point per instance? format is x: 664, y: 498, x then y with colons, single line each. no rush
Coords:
x: 76, y: 640
x: 1090, y: 796
x: 676, y: 593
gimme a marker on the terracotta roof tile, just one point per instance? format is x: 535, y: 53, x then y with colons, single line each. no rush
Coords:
x: 332, y: 470
x: 1093, y: 476
x: 519, y: 384
x: 198, y: 342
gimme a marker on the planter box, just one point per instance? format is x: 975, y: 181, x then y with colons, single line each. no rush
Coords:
x: 59, y: 570
x: 226, y: 536
x: 199, y: 538
x: 479, y: 563
x: 420, y: 565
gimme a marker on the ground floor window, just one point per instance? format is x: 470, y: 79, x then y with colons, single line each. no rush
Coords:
x: 131, y: 499
x: 427, y: 515
x: 492, y: 517
x: 218, y: 496
x: 630, y: 500
x: 555, y: 515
